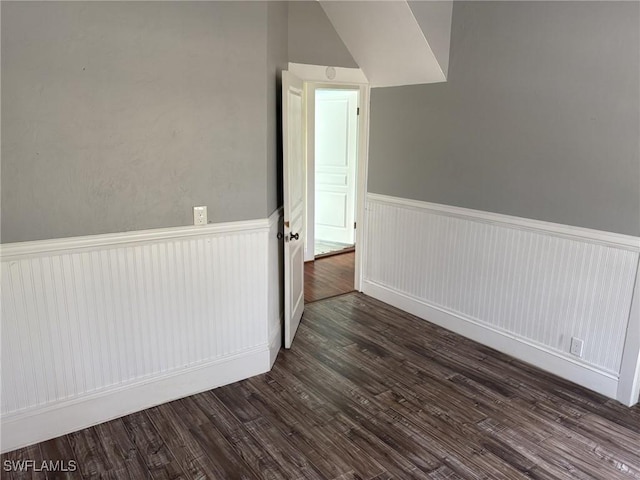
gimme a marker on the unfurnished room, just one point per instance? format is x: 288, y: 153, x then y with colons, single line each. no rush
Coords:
x: 320, y: 239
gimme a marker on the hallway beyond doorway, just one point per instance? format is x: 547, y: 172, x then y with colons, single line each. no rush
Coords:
x: 323, y: 248
x: 329, y: 276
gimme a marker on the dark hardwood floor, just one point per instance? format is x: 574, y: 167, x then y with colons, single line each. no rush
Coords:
x: 368, y: 392
x: 329, y: 276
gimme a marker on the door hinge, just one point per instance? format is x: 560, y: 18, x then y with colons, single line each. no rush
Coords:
x: 358, y: 111
x: 354, y: 225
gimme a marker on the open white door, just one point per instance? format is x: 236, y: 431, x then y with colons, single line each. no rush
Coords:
x: 294, y: 202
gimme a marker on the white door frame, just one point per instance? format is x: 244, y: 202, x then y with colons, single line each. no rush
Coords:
x: 315, y: 76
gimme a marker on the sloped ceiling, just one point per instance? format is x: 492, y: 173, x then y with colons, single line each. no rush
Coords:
x: 434, y: 19
x: 394, y: 42
x: 313, y: 39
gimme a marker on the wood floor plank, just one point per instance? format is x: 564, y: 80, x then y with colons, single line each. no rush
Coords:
x: 155, y: 453
x: 92, y: 458
x: 59, y: 449
x: 242, y: 437
x: 444, y: 473
x: 329, y: 276
x: 177, y: 436
x: 226, y: 460
x: 592, y: 458
x: 375, y: 447
x: 216, y: 457
x: 121, y: 453
x: 15, y: 464
x: 375, y: 427
x: 368, y: 392
x: 292, y: 464
x: 331, y: 452
x: 383, y: 476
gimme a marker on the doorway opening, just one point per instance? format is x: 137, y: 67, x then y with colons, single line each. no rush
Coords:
x: 335, y: 164
x: 332, y: 186
x: 299, y: 85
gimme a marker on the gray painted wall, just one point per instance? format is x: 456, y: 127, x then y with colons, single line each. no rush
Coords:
x: 312, y: 38
x: 122, y: 116
x: 539, y: 117
x: 277, y: 58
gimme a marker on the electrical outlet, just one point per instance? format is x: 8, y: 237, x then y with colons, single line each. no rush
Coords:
x: 199, y: 215
x: 576, y: 346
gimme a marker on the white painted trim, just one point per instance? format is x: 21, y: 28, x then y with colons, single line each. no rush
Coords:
x: 275, y: 343
x: 60, y: 245
x: 597, y: 380
x: 41, y: 424
x: 361, y: 192
x: 617, y: 240
x: 318, y: 73
x: 152, y: 273
x: 361, y: 167
x: 310, y: 197
x: 276, y: 315
x: 523, y: 287
x: 345, y: 77
x: 629, y: 386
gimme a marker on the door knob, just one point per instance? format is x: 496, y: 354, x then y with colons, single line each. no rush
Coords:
x: 295, y: 236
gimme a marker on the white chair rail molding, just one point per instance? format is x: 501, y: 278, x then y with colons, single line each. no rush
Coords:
x: 529, y: 288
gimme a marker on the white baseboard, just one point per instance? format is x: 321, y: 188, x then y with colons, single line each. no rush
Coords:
x: 525, y: 287
x: 629, y: 385
x: 275, y: 284
x: 275, y: 343
x: 54, y: 420
x: 101, y: 326
x: 601, y: 382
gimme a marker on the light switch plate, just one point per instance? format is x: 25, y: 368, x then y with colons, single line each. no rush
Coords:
x: 199, y: 215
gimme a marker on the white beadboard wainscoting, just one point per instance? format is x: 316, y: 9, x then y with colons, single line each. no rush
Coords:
x: 524, y: 287
x: 97, y: 327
